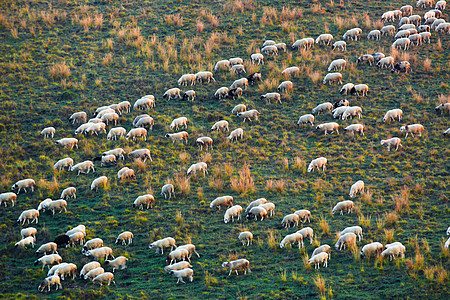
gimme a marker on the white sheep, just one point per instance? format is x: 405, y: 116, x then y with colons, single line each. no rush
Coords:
x: 346, y: 205
x: 340, y: 45
x: 55, y: 205
x: 78, y: 117
x: 231, y: 212
x: 235, y: 265
x: 371, y: 250
x: 318, y: 163
x: 198, y: 167
x: 48, y: 282
x: 402, y: 34
x: 402, y: 43
x: 178, y: 266
x: 143, y: 200
x: 126, y: 174
x: 168, y: 190
x: 411, y: 129
x: 142, y: 154
x: 394, y: 251
x: 204, y: 76
x: 254, y: 203
x: 23, y: 184
x: 186, y: 79
x: 239, y: 108
x: 100, y: 252
x: 374, y: 35
x: 330, y: 127
x: 110, y: 117
x: 426, y: 37
x: 357, y: 187
x: 257, y: 58
x: 125, y: 238
x: 63, y: 163
x: 116, y: 133
x: 88, y: 267
x: 163, y: 243
x: 324, y: 248
x: 92, y: 244
x: 392, y: 114
x: 291, y: 71
x: 108, y: 160
x: 355, y: 128
x: 415, y: 19
x: 348, y: 239
x: 288, y: 219
x: 443, y: 108
x: 137, y: 133
x: 360, y: 89
x: 388, y: 30
x: 441, y: 5
x: 180, y: 274
x: 173, y: 93
x: 392, y: 142
x: 249, y: 115
x: 406, y: 10
x: 238, y: 69
x: 82, y: 128
x: 285, y: 87
x: 325, y: 38
x: 443, y: 28
x: 117, y: 263
x: 8, y: 197
x: 322, y: 108
x: 118, y: 152
x: 276, y: 97
x: 354, y: 229
x: 222, y: 201
x: 304, y: 215
x: 104, y: 277
x: 30, y: 231
x: 269, y: 207
x: 25, y: 242
x: 124, y: 106
x: 221, y: 92
x: 79, y: 228
x: 291, y: 239
x: 190, y: 248
x: 105, y: 110
x: 346, y: 88
x: 388, y: 16
x: 239, y: 83
x: 352, y: 111
x: 319, y: 258
x: 332, y: 77
x: 236, y: 134
x: 220, y: 126
x: 48, y: 132
x: 146, y: 102
x: 337, y: 64
x: 222, y: 65
x: 246, y: 236
x: 43, y: 203
x: 307, y: 232
x: 352, y: 34
x: 306, y: 119
x: 27, y: 215
x: 91, y: 274
x: 179, y: 253
x: 269, y: 50
x: 47, y: 260
x: 257, y: 211
x: 386, y: 62
x: 67, y: 269
x: 204, y: 141
x: 189, y: 95
x: 96, y: 128
x: 77, y: 237
x: 179, y: 122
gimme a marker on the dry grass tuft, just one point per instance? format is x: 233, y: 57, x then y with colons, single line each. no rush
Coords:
x: 244, y: 183
x: 276, y: 186
x: 401, y: 200
x: 324, y: 227
x: 427, y: 64
x: 364, y: 221
x: 59, y: 70
x: 200, y: 26
x: 389, y: 235
x: 319, y: 282
x: 182, y: 184
x: 390, y: 219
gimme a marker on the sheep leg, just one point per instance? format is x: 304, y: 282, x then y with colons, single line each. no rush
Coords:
x: 237, y: 274
x: 230, y: 272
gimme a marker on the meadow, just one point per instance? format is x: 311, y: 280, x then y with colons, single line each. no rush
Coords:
x: 63, y: 56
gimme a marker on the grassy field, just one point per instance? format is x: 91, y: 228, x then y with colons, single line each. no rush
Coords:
x: 59, y: 57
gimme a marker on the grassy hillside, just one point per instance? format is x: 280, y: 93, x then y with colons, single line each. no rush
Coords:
x: 65, y: 56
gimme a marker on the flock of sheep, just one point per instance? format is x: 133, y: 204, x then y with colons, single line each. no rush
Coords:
x: 259, y: 209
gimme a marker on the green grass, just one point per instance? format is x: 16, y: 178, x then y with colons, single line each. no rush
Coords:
x: 113, y: 61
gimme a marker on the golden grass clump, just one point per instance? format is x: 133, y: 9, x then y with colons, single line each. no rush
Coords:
x: 288, y: 13
x: 108, y: 59
x: 427, y: 64
x: 238, y: 6
x: 316, y: 8
x: 244, y: 183
x: 200, y: 26
x: 324, y: 227
x: 364, y: 221
x: 59, y: 70
x: 216, y: 184
x: 271, y: 240
x: 319, y: 282
x: 182, y: 184
x: 213, y: 20
x: 276, y: 186
x: 390, y: 219
x: 401, y: 201
x: 389, y: 235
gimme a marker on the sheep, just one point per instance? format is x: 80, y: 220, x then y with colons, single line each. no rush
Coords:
x: 27, y: 215
x: 304, y: 215
x: 204, y: 141
x: 222, y: 65
x: 332, y: 77
x: 179, y: 136
x: 306, y: 119
x: 91, y: 274
x: 78, y: 117
x: 124, y: 106
x: 236, y: 134
x: 236, y: 61
x: 374, y: 35
x: 338, y: 112
x: 442, y: 108
x: 143, y: 121
x: 394, y: 251
x: 55, y: 205
x: 319, y: 258
x: 291, y: 71
x: 425, y: 37
x: 100, y: 181
x: 189, y: 95
x: 48, y: 132
x: 394, y: 244
x: 125, y: 238
x: 328, y: 127
x: 235, y: 265
x: 387, y: 62
x: 352, y: 111
x: 180, y: 274
x: 88, y: 267
x: 249, y: 114
x: 126, y: 174
x: 318, y: 163
x: 25, y: 242
x: 67, y: 269
x: 117, y: 263
x: 392, y: 142
x: 392, y: 114
x: 197, y: 167
x: 406, y: 10
x: 47, y: 260
x: 357, y: 187
x: 371, y: 249
x: 220, y: 126
x: 447, y: 243
x: 340, y: 45
x: 403, y: 21
x: 96, y: 128
x: 92, y: 244
x: 63, y: 163
x: 322, y: 108
x: 190, y: 248
x: 443, y: 28
x: 446, y: 133
x: 82, y: 128
x: 411, y: 129
x: 257, y: 58
x: 288, y: 219
x: 234, y: 93
x: 239, y: 83
x: 118, y: 152
x: 142, y: 154
x: 238, y: 69
x: 337, y: 64
x: 43, y: 203
x: 77, y: 237
x: 186, y: 79
x: 428, y: 22
x: 388, y: 30
x: 254, y: 203
x: 290, y: 240
x: 354, y: 229
x: 144, y: 200
x: 402, y: 66
x: 203, y: 76
x: 276, y: 97
x: 137, y: 133
x: 107, y: 160
x: 348, y: 239
x: 324, y: 39
x: 402, y: 34
x: 48, y: 282
x: 269, y: 207
x: 429, y: 14
x: 352, y: 34
x: 401, y: 43
x: 358, y: 89
x: 281, y: 47
x: 146, y: 102
x: 324, y: 248
x: 388, y: 16
x: 366, y: 58
x: 415, y: 19
x: 179, y: 253
x: 163, y: 243
x: 103, y: 112
x: 285, y: 87
x: 269, y: 50
x: 377, y: 56
x: 62, y: 240
x: 441, y: 5
x: 23, y: 184
x: 304, y: 43
x: 8, y: 197
x: 168, y: 190
x: 355, y: 128
x: 346, y: 88
x: 256, y: 212
x: 100, y: 252
x: 222, y: 201
x: 424, y: 28
x: 239, y: 108
x: 346, y: 205
x: 221, y: 92
x: 231, y: 212
x: 177, y: 266
x: 116, y: 133
x: 178, y: 122
x: 79, y: 228
x: 172, y: 93
x: 104, y: 277
x: 246, y: 236
x: 110, y: 117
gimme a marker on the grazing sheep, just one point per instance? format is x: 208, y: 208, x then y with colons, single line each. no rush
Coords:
x: 236, y: 61
x: 197, y: 167
x: 442, y: 108
x: 96, y: 128
x: 8, y: 197
x: 374, y: 35
x: 281, y: 47
x: 348, y: 239
x: 186, y: 79
x: 231, y: 212
x: 355, y: 128
x: 254, y: 77
x: 126, y: 174
x: 221, y: 92
x: 91, y: 274
x: 357, y: 187
x: 324, y: 39
x: 104, y: 277
x: 306, y: 119
x: 124, y: 106
x: 179, y: 136
x: 82, y: 128
x: 62, y: 240
x: 238, y: 69
x: 402, y: 34
x: 402, y: 43
x: 324, y: 248
x: 269, y: 50
x: 333, y: 77
x: 48, y: 260
x: 25, y: 242
x: 116, y: 133
x: 204, y: 141
x: 88, y: 267
x: 340, y: 45
x: 234, y: 93
x: 256, y: 212
x: 415, y: 19
x: 23, y: 184
x: 177, y: 266
x: 392, y: 142
x: 68, y: 193
x: 92, y: 244
x: 352, y: 34
x: 276, y: 97
x: 67, y: 269
x: 441, y: 5
x: 239, y: 83
x: 168, y: 190
x: 173, y: 93
x: 305, y: 43
x: 235, y: 265
x: 337, y: 64
x: 388, y: 30
x: 318, y: 163
x: 371, y: 250
x: 377, y: 56
x: 239, y: 108
x: 179, y: 253
x: 387, y: 62
x: 354, y: 229
x: 290, y: 239
x: 288, y: 219
x: 307, y: 232
x: 100, y: 252
x: 358, y: 89
x: 27, y: 215
x: 222, y: 65
x: 118, y: 152
x: 137, y: 133
x: 220, y: 125
x: 117, y: 263
x: 342, y: 206
x: 257, y: 58
x: 163, y: 243
x: 322, y: 108
x: 291, y: 71
x: 304, y: 214
x: 190, y: 248
x: 205, y: 75
x: 443, y: 28
x: 100, y: 181
x: 393, y: 252
x: 55, y: 205
x: 424, y: 28
x: 338, y: 112
x: 236, y: 134
x: 366, y: 58
x: 189, y: 95
x: 110, y: 117
x: 48, y: 132
x: 246, y: 236
x: 142, y: 154
x: 180, y: 274
x: 30, y: 231
x: 48, y: 282
x: 77, y: 237
x: 103, y: 112
x: 84, y: 167
x: 402, y: 66
x: 226, y: 201
x: 125, y: 238
x: 79, y: 228
x: 328, y: 127
x: 425, y: 37
x: 392, y: 114
x: 63, y: 163
x: 269, y: 207
x: 411, y: 129
x: 78, y: 117
x: 352, y: 111
x: 285, y: 87
x: 107, y: 160
x: 249, y: 114
x: 255, y: 203
x: 179, y: 122
x: 388, y: 16
x: 446, y: 133
x: 319, y: 258
x: 146, y: 102
x: 346, y: 88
